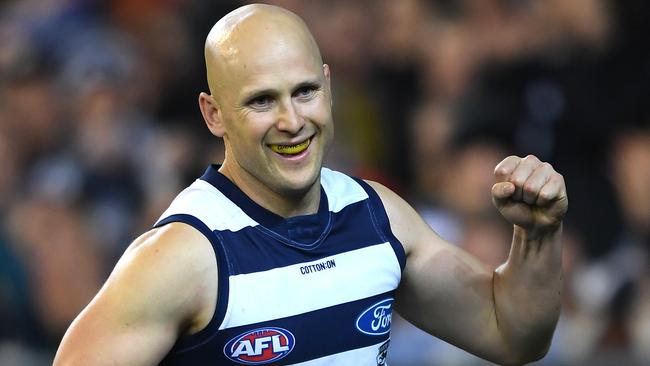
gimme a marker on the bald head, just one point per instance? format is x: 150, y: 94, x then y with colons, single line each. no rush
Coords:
x: 253, y: 34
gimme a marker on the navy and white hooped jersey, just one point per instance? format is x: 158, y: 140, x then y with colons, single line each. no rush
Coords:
x: 306, y: 290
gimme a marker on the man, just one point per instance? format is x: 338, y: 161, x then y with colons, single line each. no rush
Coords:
x: 271, y: 259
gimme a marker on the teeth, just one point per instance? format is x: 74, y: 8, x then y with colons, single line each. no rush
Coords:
x: 290, y: 149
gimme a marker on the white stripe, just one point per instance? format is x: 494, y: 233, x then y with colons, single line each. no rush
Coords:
x: 366, y: 356
x: 205, y: 202
x: 208, y: 204
x: 373, y: 270
x: 341, y: 190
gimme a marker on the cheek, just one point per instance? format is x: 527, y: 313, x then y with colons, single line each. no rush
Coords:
x: 319, y: 113
x: 251, y: 129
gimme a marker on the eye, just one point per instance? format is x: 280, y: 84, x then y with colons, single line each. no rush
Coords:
x: 261, y: 101
x: 305, y: 92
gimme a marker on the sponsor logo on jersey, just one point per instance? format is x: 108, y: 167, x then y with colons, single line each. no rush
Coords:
x: 376, y: 319
x: 318, y: 267
x: 383, y: 353
x: 260, y: 346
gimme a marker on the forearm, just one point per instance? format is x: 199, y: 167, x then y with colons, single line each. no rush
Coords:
x: 527, y: 292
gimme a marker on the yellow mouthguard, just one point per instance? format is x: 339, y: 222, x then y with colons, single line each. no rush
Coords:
x: 290, y: 149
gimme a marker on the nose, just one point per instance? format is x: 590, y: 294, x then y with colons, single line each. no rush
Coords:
x: 289, y: 119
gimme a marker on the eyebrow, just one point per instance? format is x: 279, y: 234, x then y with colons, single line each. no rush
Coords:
x: 314, y: 83
x: 248, y: 97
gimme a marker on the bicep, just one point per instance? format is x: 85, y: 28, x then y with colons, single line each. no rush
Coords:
x: 106, y: 333
x: 152, y: 296
x: 444, y: 290
x: 448, y: 293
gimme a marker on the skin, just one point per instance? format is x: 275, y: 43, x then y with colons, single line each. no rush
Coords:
x: 271, y: 89
x: 507, y: 316
x: 268, y: 87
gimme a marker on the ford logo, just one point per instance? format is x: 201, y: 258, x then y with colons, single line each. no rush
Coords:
x: 376, y: 319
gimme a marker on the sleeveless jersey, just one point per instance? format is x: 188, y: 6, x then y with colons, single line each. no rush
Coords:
x: 307, y: 290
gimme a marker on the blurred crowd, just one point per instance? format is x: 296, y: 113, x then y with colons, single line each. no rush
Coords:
x: 100, y: 129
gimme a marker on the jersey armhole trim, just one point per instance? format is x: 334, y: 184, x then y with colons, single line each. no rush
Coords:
x: 189, y: 342
x: 380, y: 218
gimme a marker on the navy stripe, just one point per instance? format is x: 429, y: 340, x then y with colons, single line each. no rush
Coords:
x: 317, y: 223
x: 188, y: 342
x: 317, y: 334
x: 378, y: 212
x: 254, y: 250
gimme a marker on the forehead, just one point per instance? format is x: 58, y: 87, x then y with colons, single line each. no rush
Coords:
x: 271, y: 63
x: 260, y: 44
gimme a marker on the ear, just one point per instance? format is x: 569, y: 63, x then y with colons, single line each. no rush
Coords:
x: 326, y: 72
x: 211, y: 114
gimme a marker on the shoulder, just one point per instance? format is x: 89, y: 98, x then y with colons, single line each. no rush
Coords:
x: 175, y: 252
x: 175, y: 242
x: 407, y: 225
x: 393, y: 203
x: 158, y: 291
x: 164, y: 273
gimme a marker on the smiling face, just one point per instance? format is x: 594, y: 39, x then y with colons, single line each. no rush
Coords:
x: 270, y: 102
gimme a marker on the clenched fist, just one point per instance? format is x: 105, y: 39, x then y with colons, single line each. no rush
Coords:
x: 530, y: 193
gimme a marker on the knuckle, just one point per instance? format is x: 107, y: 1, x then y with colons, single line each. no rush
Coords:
x: 545, y: 196
x: 517, y: 182
x: 531, y: 157
x: 512, y: 159
x: 529, y: 188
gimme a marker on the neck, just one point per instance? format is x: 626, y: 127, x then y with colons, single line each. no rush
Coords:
x: 285, y: 204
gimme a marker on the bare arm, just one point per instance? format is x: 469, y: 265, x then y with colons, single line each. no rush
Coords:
x: 506, y: 316
x: 527, y: 288
x: 163, y: 286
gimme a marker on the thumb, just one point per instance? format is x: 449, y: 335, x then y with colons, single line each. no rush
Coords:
x: 502, y: 190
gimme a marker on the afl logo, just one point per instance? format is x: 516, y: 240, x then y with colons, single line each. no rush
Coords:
x: 376, y: 319
x: 260, y: 346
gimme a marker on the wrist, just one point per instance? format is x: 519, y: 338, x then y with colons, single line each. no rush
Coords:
x: 537, y: 233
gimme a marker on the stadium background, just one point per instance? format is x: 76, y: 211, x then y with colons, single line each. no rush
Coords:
x: 100, y: 128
